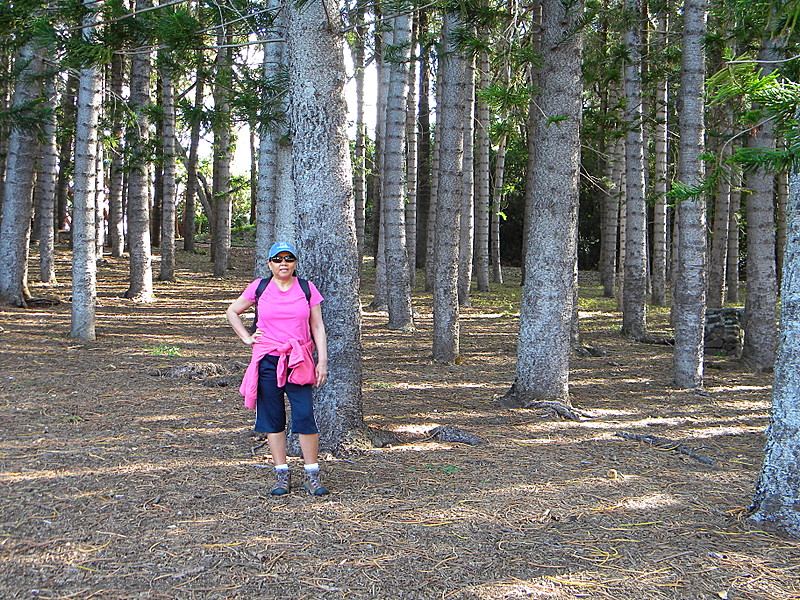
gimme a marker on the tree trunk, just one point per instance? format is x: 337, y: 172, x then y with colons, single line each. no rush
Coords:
x: 718, y: 259
x: 660, y: 183
x: 46, y: 185
x: 548, y: 301
x: 66, y: 139
x: 325, y: 209
x: 116, y: 231
x: 781, y: 202
x: 84, y: 218
x: 271, y: 132
x: 634, y: 298
x: 138, y: 208
x: 609, y: 222
x: 360, y: 145
x: 483, y: 147
x: 423, y: 149
x: 450, y: 142
x: 732, y: 270
x: 497, y: 209
x: 222, y: 156
x: 190, y: 206
x: 411, y: 162
x: 467, y: 226
x: 23, y: 148
x: 168, y: 206
x: 760, y: 324
x: 398, y: 280
x: 778, y: 485
x: 690, y: 289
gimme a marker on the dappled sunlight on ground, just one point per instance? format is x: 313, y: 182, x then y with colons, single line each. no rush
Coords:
x: 117, y: 483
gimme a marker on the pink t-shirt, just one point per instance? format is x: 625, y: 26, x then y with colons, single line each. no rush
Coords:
x: 283, y: 316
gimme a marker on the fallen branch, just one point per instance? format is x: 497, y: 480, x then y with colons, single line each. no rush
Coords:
x: 665, y: 444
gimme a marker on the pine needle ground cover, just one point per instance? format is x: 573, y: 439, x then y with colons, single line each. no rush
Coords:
x: 116, y: 482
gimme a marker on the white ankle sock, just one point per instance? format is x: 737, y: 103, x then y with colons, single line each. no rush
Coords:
x: 281, y: 467
x: 312, y: 467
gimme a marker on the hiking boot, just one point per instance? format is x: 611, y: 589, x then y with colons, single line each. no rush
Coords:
x: 282, y: 482
x: 313, y: 485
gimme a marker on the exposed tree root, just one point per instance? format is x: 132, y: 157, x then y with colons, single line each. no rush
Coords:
x: 666, y: 444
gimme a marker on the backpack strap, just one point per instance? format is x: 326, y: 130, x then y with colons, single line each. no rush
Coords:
x: 262, y: 285
x: 306, y: 290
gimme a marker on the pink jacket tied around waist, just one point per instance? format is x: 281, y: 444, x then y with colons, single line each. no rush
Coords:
x: 294, y: 355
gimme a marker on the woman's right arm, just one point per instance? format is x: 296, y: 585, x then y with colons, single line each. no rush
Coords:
x: 233, y: 315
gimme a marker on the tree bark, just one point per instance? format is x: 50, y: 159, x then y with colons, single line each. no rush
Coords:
x: 778, y: 485
x: 690, y: 285
x: 483, y: 147
x: 46, y: 186
x: 760, y: 323
x: 138, y: 206
x: 23, y: 148
x: 732, y: 270
x: 452, y: 71
x: 467, y: 226
x: 548, y: 300
x: 423, y: 149
x: 411, y: 161
x: 116, y: 227
x: 634, y: 299
x: 222, y: 156
x: 168, y: 205
x: 398, y: 280
x: 270, y: 134
x: 660, y: 182
x: 718, y: 258
x: 84, y: 218
x: 325, y: 208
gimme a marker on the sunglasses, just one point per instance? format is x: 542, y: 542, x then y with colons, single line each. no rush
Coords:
x: 280, y: 259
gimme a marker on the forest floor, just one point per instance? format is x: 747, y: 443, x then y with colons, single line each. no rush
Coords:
x: 116, y: 483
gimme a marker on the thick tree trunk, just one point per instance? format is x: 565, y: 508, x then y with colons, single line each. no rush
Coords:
x: 269, y: 152
x: 168, y: 206
x: 325, y: 209
x: 398, y: 280
x: 360, y: 147
x: 548, y: 301
x: 660, y: 185
x: 760, y: 326
x: 411, y: 164
x: 138, y: 206
x: 23, y: 149
x: 84, y: 218
x: 450, y: 142
x: 116, y: 231
x: 46, y: 187
x: 222, y: 156
x: 778, y: 486
x: 482, y: 150
x: 690, y: 286
x: 634, y: 299
x: 423, y: 150
x: 66, y: 139
x: 467, y: 226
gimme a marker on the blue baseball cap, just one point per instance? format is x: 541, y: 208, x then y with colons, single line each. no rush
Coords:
x: 279, y: 247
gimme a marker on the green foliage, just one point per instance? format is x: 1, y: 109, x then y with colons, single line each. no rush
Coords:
x: 164, y: 350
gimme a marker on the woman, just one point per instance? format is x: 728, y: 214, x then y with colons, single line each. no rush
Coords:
x: 289, y: 325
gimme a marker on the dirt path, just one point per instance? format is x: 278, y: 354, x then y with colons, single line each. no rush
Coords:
x: 118, y: 484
